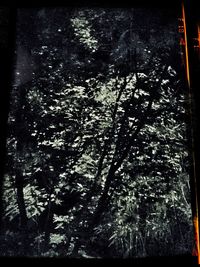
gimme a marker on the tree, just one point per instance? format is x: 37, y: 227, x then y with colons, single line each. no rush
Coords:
x: 97, y: 135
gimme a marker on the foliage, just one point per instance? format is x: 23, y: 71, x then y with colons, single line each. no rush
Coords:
x: 98, y: 162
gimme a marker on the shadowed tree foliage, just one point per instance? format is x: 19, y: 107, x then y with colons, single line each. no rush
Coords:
x: 97, y: 149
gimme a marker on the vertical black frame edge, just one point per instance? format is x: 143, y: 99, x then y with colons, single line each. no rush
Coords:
x: 6, y: 65
x: 6, y: 69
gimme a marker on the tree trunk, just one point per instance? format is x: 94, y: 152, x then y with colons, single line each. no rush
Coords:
x: 48, y: 224
x: 114, y: 167
x: 103, y: 201
x: 19, y: 180
x: 143, y: 212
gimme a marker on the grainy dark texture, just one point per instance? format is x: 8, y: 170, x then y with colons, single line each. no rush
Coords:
x: 98, y: 147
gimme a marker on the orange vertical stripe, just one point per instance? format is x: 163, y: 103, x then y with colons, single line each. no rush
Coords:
x: 196, y: 235
x: 186, y: 46
x: 196, y: 251
x: 199, y: 40
x: 199, y: 35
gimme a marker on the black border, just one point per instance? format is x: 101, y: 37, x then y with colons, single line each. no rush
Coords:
x: 6, y: 70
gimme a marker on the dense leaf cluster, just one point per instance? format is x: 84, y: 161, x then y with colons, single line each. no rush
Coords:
x: 97, y: 150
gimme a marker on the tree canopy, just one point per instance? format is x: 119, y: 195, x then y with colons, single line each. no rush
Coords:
x: 98, y: 147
